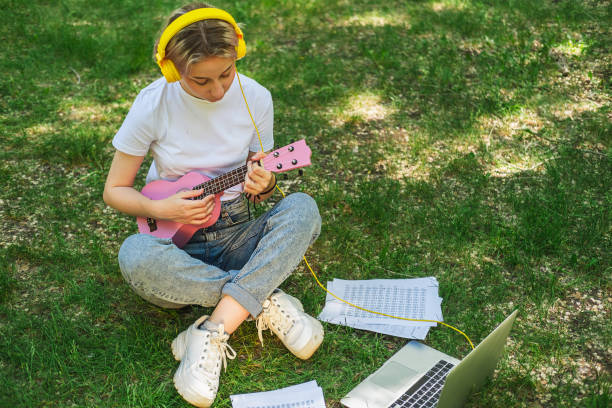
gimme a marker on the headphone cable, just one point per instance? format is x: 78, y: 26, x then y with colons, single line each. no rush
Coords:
x: 312, y: 271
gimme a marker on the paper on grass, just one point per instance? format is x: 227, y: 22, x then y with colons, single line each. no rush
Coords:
x: 406, y: 298
x: 306, y: 395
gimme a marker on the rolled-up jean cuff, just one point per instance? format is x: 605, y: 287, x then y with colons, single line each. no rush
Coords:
x: 243, y: 297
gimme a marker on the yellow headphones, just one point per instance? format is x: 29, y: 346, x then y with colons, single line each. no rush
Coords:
x: 167, y: 67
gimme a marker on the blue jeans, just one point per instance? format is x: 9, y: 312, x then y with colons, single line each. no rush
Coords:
x: 245, y: 259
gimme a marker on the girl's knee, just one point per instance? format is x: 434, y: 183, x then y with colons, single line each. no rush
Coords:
x: 306, y: 214
x: 305, y: 206
x: 135, y: 255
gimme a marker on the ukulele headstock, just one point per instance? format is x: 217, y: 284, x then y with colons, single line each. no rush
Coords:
x: 293, y: 156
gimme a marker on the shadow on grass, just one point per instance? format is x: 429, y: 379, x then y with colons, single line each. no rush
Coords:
x: 445, y: 64
x: 372, y: 87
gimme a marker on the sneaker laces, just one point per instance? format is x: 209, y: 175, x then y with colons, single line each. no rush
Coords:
x: 219, y: 340
x: 273, y: 316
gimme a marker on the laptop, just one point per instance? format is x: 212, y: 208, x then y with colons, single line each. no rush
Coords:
x: 420, y: 376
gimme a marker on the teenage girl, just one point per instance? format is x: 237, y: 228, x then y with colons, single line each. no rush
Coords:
x: 197, y: 117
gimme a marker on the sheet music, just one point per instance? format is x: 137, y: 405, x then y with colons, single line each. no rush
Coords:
x: 306, y: 395
x: 406, y: 298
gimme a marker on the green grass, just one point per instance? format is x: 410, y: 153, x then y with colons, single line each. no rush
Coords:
x: 466, y: 140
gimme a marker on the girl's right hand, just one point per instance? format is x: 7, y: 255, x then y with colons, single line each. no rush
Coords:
x: 179, y: 208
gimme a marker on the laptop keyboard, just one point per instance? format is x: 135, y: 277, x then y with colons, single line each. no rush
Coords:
x: 425, y: 392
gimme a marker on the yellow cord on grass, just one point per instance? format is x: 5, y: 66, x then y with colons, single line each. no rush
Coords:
x: 315, y: 276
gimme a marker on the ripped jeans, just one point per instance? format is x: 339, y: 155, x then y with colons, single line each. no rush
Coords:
x: 245, y: 259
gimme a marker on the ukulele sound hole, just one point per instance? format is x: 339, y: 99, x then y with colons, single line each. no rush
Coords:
x: 152, y: 224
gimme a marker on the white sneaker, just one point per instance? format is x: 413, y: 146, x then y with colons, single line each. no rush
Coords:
x: 284, y: 315
x: 202, y: 352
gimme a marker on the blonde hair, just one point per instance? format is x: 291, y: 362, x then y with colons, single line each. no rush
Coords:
x: 200, y: 40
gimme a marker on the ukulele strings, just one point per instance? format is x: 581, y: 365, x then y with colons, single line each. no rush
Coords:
x: 226, y: 180
x: 312, y: 271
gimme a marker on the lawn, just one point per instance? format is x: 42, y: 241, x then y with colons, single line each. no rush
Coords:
x: 466, y: 140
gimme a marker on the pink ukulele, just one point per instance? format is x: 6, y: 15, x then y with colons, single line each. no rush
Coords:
x: 287, y: 158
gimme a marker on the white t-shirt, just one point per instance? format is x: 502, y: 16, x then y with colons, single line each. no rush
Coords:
x: 185, y: 133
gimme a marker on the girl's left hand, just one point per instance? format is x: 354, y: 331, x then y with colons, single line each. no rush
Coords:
x: 257, y: 178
